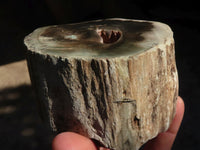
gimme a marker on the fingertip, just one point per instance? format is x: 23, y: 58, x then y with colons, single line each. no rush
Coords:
x: 180, y: 106
x: 165, y: 140
x: 71, y: 141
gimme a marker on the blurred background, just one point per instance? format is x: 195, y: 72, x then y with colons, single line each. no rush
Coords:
x: 20, y: 124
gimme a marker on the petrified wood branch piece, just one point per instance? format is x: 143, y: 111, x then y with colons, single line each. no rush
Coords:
x: 114, y: 80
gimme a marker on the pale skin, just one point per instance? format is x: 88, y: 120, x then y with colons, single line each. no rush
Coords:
x: 164, y: 141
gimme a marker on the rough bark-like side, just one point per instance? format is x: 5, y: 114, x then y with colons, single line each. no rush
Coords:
x: 121, y: 102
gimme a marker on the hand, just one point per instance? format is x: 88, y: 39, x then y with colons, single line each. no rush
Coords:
x: 164, y: 141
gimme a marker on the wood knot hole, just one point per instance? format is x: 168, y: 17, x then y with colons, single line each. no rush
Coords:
x: 109, y: 36
x: 136, y: 121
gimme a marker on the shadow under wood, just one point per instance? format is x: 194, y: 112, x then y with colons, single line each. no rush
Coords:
x: 20, y: 124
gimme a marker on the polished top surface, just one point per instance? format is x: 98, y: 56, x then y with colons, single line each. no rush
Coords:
x: 108, y: 37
